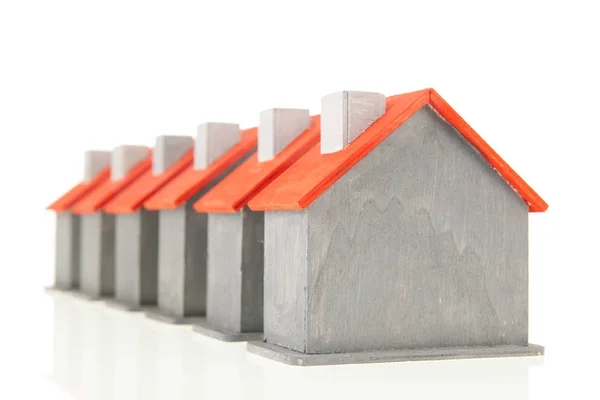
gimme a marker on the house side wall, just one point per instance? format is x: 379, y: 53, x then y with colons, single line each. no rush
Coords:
x: 196, y: 241
x: 285, y: 278
x: 149, y: 257
x: 97, y: 254
x: 67, y: 251
x: 225, y: 270
x: 252, y: 270
x: 171, y: 260
x: 127, y: 258
x: 196, y: 249
x: 421, y: 244
x: 107, y: 256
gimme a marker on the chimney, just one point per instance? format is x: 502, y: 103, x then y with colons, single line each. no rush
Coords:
x: 214, y: 139
x: 347, y: 114
x: 124, y: 158
x: 95, y: 161
x: 278, y: 128
x: 168, y: 150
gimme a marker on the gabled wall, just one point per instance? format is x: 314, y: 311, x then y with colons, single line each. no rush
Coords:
x: 421, y: 244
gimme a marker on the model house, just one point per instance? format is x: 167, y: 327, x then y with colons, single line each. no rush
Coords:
x: 136, y: 229
x: 96, y: 171
x: 234, y: 308
x: 182, y: 240
x: 403, y: 235
x: 97, y: 250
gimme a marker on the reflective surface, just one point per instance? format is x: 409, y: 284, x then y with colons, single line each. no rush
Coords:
x: 103, y: 353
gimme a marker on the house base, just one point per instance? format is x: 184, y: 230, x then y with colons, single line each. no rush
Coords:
x: 113, y: 303
x: 291, y: 357
x: 72, y: 292
x: 157, y: 315
x: 204, y: 328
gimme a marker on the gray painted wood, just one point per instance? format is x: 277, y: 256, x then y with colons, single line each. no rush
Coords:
x: 136, y: 259
x: 95, y: 161
x: 124, y: 158
x: 420, y: 245
x: 235, y: 271
x: 213, y: 140
x: 168, y: 150
x: 97, y: 254
x: 285, y: 296
x: 292, y: 357
x: 345, y: 115
x: 182, y: 258
x: 278, y: 128
x: 67, y: 251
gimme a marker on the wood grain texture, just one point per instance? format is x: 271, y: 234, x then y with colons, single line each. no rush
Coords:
x: 285, y: 290
x: 97, y: 254
x: 67, y: 251
x: 420, y: 245
x: 136, y: 258
x: 235, y: 271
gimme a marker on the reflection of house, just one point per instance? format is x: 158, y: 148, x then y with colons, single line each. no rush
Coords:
x: 67, y: 224
x: 402, y: 239
x: 235, y: 233
x: 182, y: 239
x: 136, y: 229
x: 98, y: 227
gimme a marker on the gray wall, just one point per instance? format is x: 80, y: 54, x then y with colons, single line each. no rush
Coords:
x: 136, y: 258
x: 97, y: 252
x: 286, y: 278
x: 235, y: 271
x: 67, y: 251
x: 182, y: 256
x: 421, y: 244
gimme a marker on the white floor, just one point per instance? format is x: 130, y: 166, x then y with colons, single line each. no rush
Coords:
x: 91, y: 351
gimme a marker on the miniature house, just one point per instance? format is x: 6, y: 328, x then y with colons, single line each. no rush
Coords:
x: 401, y: 236
x: 136, y: 229
x: 234, y: 308
x: 98, y: 228
x: 182, y: 240
x: 96, y: 171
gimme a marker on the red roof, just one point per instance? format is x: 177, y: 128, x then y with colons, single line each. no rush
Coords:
x: 233, y: 192
x: 314, y: 172
x: 191, y: 181
x: 133, y: 196
x: 65, y: 202
x: 106, y: 191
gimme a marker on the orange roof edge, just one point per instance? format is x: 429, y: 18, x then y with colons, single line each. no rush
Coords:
x: 241, y: 185
x: 67, y: 200
x: 133, y: 197
x: 105, y: 192
x: 535, y: 202
x: 181, y: 188
x: 283, y: 195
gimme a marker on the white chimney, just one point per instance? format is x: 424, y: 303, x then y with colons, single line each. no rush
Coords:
x: 213, y: 140
x: 278, y: 128
x: 168, y: 150
x: 95, y: 161
x: 124, y: 158
x: 347, y: 114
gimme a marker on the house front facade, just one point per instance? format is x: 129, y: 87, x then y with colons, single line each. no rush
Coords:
x: 403, y: 235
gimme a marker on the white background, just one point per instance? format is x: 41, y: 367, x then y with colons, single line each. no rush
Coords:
x: 77, y: 75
